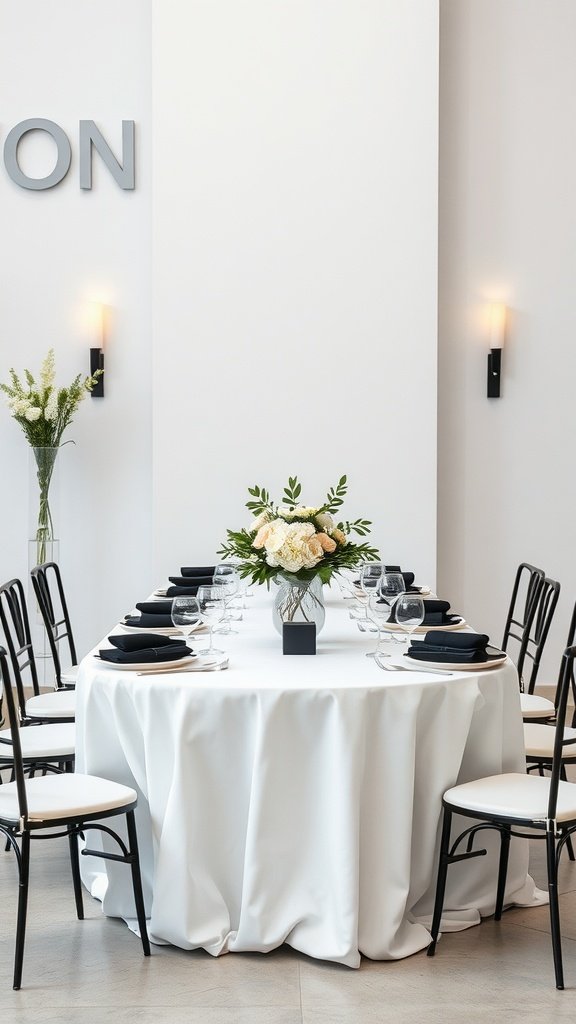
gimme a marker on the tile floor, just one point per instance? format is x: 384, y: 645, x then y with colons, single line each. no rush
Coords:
x: 93, y: 972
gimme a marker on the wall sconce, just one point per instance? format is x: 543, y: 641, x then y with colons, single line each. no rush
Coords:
x: 97, y: 352
x: 497, y: 334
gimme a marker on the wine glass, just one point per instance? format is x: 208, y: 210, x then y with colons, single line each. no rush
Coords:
x: 391, y: 587
x: 185, y: 615
x: 370, y: 576
x: 225, y: 576
x: 211, y: 605
x: 409, y: 613
x: 379, y: 610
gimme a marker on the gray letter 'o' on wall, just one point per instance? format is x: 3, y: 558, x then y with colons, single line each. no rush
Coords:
x: 11, y: 153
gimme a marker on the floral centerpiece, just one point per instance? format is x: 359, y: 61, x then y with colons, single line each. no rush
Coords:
x: 44, y: 411
x: 300, y: 546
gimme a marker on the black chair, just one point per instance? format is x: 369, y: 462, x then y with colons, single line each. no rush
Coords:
x: 511, y: 804
x: 53, y: 806
x: 54, y: 706
x: 522, y: 606
x: 49, y: 591
x: 532, y: 608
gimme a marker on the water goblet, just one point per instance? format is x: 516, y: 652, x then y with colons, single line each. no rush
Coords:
x: 410, y: 613
x: 226, y: 576
x: 391, y: 587
x: 370, y: 576
x: 211, y: 605
x: 379, y: 611
x: 185, y: 615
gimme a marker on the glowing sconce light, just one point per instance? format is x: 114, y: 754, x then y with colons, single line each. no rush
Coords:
x: 97, y: 334
x: 498, y: 316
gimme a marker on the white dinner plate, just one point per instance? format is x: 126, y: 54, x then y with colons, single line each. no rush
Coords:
x: 161, y: 630
x: 141, y: 665
x: 452, y: 666
x: 393, y: 627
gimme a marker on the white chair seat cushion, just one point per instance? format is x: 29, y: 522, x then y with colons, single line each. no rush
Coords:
x: 62, y: 796
x: 70, y: 675
x: 52, y: 705
x: 512, y: 795
x: 539, y: 740
x: 43, y: 741
x: 533, y: 706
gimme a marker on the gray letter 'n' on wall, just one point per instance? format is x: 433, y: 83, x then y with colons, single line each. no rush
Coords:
x: 91, y: 136
x: 11, y: 153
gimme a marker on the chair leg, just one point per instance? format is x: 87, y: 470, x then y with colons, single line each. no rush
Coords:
x: 441, y: 882
x: 75, y: 862
x: 554, y: 909
x: 22, y: 908
x: 502, y: 871
x: 569, y: 845
x: 137, y: 881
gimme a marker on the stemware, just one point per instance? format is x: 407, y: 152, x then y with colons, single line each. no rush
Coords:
x: 409, y: 613
x: 185, y: 615
x: 211, y: 605
x: 379, y: 611
x: 370, y: 576
x: 391, y: 587
x: 226, y: 576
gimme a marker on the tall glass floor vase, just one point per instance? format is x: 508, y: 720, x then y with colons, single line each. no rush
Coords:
x: 43, y: 545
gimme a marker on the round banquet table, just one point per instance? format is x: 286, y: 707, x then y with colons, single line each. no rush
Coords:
x: 297, y: 799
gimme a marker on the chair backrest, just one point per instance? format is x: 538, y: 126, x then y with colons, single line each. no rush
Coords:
x: 16, y: 631
x: 536, y: 633
x: 14, y: 722
x: 522, y: 605
x: 565, y: 687
x: 47, y: 583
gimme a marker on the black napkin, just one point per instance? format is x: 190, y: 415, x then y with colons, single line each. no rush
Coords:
x: 198, y: 570
x: 148, y: 621
x: 192, y: 581
x: 147, y: 647
x: 185, y: 591
x: 436, y: 613
x: 155, y: 607
x: 465, y: 648
x: 408, y: 578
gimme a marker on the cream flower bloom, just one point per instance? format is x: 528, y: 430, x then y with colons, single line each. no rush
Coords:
x: 259, y: 521
x: 300, y: 511
x: 339, y: 536
x: 326, y: 542
x: 33, y: 413
x: 51, y: 410
x: 300, y: 548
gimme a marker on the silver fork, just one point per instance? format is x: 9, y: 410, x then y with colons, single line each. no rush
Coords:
x: 402, y: 668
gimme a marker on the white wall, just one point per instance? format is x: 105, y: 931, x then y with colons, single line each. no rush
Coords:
x: 295, y: 197
x: 286, y: 193
x: 65, y: 61
x: 507, y: 231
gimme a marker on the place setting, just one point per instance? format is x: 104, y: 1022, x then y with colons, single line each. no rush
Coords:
x: 159, y: 641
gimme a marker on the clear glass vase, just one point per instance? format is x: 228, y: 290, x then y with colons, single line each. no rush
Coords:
x: 298, y: 601
x: 44, y: 493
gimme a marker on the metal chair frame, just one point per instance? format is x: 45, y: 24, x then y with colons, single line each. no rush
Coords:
x: 556, y: 834
x: 46, y: 579
x: 71, y: 826
x: 18, y: 640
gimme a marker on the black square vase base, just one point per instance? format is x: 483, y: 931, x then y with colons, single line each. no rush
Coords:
x: 299, y: 638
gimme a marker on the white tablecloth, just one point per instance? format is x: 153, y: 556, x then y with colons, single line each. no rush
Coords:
x: 298, y: 799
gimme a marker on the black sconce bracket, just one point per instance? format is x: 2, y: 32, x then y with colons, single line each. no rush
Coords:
x: 494, y: 368
x: 97, y: 363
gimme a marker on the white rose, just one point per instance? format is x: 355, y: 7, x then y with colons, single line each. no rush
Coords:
x: 259, y: 521
x: 33, y: 413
